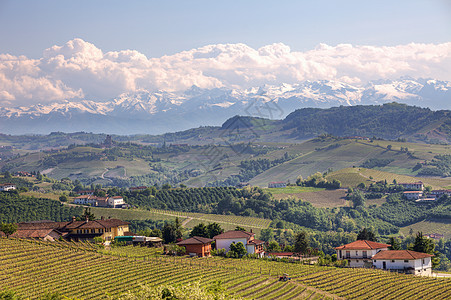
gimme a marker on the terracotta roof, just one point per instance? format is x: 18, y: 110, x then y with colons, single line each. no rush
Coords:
x: 234, y: 234
x: 256, y: 242
x: 195, y: 240
x: 96, y: 224
x: 400, y: 254
x: 83, y: 196
x: 280, y: 253
x: 41, y: 225
x: 362, y: 245
x: 32, y: 233
x: 117, y: 197
x: 413, y: 192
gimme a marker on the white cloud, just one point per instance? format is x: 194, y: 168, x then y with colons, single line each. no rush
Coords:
x: 79, y: 70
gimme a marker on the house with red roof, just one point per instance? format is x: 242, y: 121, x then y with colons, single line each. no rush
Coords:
x: 197, y: 246
x: 253, y: 246
x: 359, y: 253
x: 405, y: 261
x: 107, y: 229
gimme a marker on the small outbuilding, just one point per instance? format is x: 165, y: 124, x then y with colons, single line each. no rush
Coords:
x: 197, y: 246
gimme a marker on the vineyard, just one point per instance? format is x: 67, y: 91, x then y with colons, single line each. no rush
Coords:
x: 33, y: 268
x: 228, y: 222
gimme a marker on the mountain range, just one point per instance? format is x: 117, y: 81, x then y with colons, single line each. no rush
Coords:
x: 146, y: 112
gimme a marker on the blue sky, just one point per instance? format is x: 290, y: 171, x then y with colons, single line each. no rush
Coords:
x: 157, y: 28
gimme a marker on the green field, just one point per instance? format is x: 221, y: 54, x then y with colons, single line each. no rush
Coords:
x: 318, y: 197
x: 351, y: 177
x: 189, y: 220
x: 429, y: 227
x: 33, y: 269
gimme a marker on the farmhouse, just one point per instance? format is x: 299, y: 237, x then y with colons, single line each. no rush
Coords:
x: 278, y: 184
x: 197, y: 246
x: 413, y: 195
x: 360, y: 252
x: 413, y: 186
x: 439, y: 193
x: 405, y: 261
x: 114, y: 202
x: 86, y: 192
x: 224, y: 240
x: 4, y: 187
x: 80, y: 230
x: 43, y: 234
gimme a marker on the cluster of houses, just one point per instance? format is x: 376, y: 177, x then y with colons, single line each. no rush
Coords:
x: 415, y: 191
x: 88, y: 198
x: 200, y: 246
x: 277, y: 184
x: 359, y: 254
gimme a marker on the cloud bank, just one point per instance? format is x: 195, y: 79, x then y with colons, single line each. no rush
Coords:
x: 80, y: 70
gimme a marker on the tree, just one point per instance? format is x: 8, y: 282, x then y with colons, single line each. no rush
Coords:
x: 214, y: 229
x: 199, y: 230
x: 8, y: 228
x: 87, y: 214
x: 357, y: 198
x: 169, y: 233
x: 266, y: 234
x: 389, y: 147
x: 63, y: 198
x: 273, y: 247
x: 301, y: 243
x: 239, y: 228
x: 366, y: 234
x: 237, y: 250
x: 395, y: 244
x: 426, y: 245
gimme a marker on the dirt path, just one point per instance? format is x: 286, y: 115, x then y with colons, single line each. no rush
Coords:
x: 186, y: 221
x: 101, y: 176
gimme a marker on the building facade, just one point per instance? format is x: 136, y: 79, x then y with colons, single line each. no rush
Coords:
x: 404, y: 261
x: 359, y: 253
x: 253, y: 246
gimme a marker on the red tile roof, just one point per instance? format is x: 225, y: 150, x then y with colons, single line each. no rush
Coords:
x: 32, y: 233
x: 195, y: 240
x: 400, y: 254
x: 234, y: 234
x: 362, y: 245
x: 256, y: 242
x: 109, y: 223
x: 279, y: 253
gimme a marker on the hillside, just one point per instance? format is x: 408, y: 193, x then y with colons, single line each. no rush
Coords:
x: 81, y: 271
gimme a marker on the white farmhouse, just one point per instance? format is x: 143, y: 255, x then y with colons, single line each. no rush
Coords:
x: 7, y: 187
x: 413, y: 186
x: 116, y: 201
x: 406, y: 261
x: 224, y: 240
x: 360, y: 253
x: 413, y: 195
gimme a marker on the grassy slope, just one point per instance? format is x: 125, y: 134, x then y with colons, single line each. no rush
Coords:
x: 354, y: 176
x: 430, y: 226
x: 190, y: 219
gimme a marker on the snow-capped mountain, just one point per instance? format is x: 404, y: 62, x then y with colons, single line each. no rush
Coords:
x: 158, y: 112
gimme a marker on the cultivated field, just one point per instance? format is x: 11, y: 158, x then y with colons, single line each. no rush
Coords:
x: 318, y: 197
x: 33, y: 269
x: 189, y: 220
x: 429, y: 227
x: 351, y: 177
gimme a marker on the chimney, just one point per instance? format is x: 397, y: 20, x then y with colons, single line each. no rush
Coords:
x: 102, y: 218
x: 73, y: 219
x: 87, y: 219
x: 251, y: 230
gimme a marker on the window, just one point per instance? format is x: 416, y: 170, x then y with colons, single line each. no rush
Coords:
x: 374, y: 260
x: 348, y: 254
x: 356, y: 253
x: 392, y: 261
x: 365, y: 254
x: 406, y: 261
x: 423, y: 261
x: 357, y: 260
